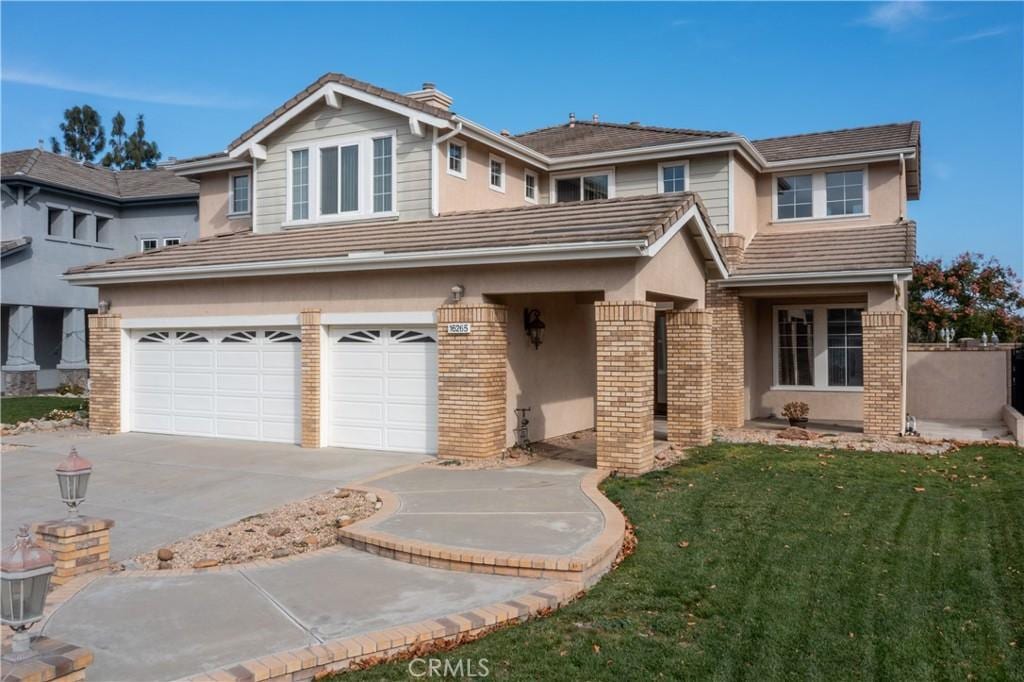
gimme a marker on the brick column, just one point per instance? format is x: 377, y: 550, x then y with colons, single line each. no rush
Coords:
x: 78, y: 546
x: 625, y: 386
x: 311, y: 390
x: 105, y: 372
x: 688, y: 337
x: 727, y: 401
x: 884, y: 338
x: 471, y: 378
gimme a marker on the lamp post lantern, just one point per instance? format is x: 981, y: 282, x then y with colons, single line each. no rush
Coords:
x: 73, y: 479
x: 25, y: 571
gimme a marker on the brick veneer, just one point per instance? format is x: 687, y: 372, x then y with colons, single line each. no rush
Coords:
x: 310, y: 409
x: 625, y: 386
x: 727, y: 357
x: 78, y: 545
x: 105, y: 370
x: 688, y: 336
x: 54, y: 661
x: 471, y: 378
x: 883, y: 372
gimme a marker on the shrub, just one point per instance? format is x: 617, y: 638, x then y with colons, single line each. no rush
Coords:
x: 70, y: 389
x: 795, y: 410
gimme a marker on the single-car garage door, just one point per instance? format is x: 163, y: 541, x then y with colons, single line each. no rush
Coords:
x: 383, y: 388
x: 221, y: 383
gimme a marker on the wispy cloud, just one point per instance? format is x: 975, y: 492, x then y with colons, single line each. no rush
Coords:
x: 982, y: 35
x: 895, y: 16
x: 113, y: 90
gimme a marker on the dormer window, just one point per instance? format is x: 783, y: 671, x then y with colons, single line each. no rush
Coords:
x: 497, y: 173
x: 457, y: 159
x: 813, y: 196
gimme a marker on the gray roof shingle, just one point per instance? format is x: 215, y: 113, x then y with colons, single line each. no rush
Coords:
x: 62, y: 171
x: 846, y: 141
x: 586, y: 137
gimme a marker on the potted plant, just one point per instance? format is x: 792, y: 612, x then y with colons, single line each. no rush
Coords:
x: 796, y: 412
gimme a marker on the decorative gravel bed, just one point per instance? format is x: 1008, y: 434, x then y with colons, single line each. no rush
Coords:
x: 294, y: 528
x: 913, y: 445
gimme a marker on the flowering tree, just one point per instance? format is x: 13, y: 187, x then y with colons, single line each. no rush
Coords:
x: 973, y: 295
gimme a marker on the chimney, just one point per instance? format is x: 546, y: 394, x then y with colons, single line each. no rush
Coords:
x: 572, y: 120
x: 505, y: 133
x: 429, y: 94
x: 594, y: 118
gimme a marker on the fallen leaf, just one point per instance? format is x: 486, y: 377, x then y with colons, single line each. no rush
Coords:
x: 597, y: 648
x: 918, y: 489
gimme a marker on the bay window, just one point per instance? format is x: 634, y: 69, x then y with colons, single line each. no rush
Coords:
x: 583, y: 187
x: 832, y: 194
x: 818, y: 347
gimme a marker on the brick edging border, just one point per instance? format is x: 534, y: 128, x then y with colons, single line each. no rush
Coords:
x: 335, y: 655
x: 583, y: 568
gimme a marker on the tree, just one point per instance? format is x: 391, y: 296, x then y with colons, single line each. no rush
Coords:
x: 117, y: 156
x: 973, y: 295
x: 83, y: 134
x: 140, y: 152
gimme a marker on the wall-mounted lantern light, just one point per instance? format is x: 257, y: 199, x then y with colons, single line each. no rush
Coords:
x: 25, y: 571
x: 103, y: 307
x: 534, y: 326
x: 458, y: 291
x: 73, y: 479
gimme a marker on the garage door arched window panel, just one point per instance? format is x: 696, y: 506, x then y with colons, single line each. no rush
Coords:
x: 155, y: 337
x: 281, y: 337
x: 240, y: 337
x: 191, y: 337
x: 361, y: 336
x: 411, y: 336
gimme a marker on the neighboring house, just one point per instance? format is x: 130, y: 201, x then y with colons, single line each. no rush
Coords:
x: 59, y: 213
x: 375, y: 265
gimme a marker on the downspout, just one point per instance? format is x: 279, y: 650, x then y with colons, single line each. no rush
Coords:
x: 903, y: 186
x: 450, y: 134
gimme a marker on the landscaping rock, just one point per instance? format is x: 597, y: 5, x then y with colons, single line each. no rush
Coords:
x: 277, y: 531
x: 371, y: 498
x: 280, y: 553
x: 343, y: 521
x: 164, y: 565
x: 342, y: 494
x: 205, y: 563
x: 164, y: 554
x: 797, y: 433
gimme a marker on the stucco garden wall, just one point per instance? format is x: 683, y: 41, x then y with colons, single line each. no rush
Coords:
x: 960, y: 384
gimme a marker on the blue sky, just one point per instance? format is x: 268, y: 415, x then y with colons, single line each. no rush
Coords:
x: 202, y: 73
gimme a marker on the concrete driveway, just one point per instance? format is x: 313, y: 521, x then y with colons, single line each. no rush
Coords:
x: 159, y: 489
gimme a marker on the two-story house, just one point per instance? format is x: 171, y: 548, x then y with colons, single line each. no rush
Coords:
x: 377, y: 271
x: 59, y: 213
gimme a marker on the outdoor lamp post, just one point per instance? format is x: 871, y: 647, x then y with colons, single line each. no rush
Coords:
x: 73, y: 479
x: 534, y: 326
x: 25, y: 571
x: 947, y: 335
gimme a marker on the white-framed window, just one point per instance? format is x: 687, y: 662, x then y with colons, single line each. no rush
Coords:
x: 673, y: 176
x: 590, y: 186
x: 818, y: 347
x: 812, y: 195
x: 457, y: 161
x: 149, y: 244
x: 342, y: 178
x: 172, y: 241
x: 238, y: 194
x: 530, y: 186
x: 496, y: 173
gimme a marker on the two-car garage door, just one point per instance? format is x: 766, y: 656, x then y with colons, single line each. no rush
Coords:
x: 380, y: 385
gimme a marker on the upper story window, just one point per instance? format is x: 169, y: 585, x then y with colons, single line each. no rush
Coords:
x: 238, y: 194
x: 149, y: 244
x: 103, y: 229
x: 583, y: 187
x: 55, y: 222
x: 829, y: 194
x: 496, y: 174
x: 457, y: 159
x: 80, y: 226
x: 819, y: 347
x: 673, y: 177
x: 530, y: 186
x: 350, y: 177
x: 172, y: 241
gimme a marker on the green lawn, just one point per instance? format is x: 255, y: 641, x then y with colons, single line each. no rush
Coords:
x: 800, y: 565
x: 14, y: 410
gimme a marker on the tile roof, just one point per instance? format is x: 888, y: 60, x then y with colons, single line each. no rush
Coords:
x: 635, y: 219
x: 839, y: 249
x: 10, y: 246
x: 585, y: 137
x: 350, y: 82
x: 62, y: 171
x: 846, y: 141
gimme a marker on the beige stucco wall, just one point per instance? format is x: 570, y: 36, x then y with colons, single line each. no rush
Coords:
x: 213, y: 206
x: 955, y: 384
x: 884, y: 200
x: 557, y: 381
x: 474, y: 192
x: 744, y: 193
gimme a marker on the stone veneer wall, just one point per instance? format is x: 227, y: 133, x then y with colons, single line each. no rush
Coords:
x: 625, y: 386
x: 105, y: 370
x: 883, y: 372
x: 688, y: 335
x: 310, y: 408
x: 471, y: 378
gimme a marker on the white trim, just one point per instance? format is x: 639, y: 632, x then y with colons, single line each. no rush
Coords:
x: 211, y: 321
x: 500, y: 187
x: 416, y: 128
x: 216, y: 164
x: 732, y: 193
x: 231, y: 195
x: 705, y: 235
x: 554, y: 178
x: 529, y: 173
x: 819, y: 206
x: 435, y: 177
x: 516, y: 150
x: 465, y: 159
x: 672, y: 164
x: 839, y: 277
x: 126, y: 379
x: 820, y: 348
x: 178, y: 240
x: 412, y: 317
x: 142, y: 243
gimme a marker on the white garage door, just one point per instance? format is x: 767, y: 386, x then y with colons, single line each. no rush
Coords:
x: 383, y: 388
x: 222, y: 383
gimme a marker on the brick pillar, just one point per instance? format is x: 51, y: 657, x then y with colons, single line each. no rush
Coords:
x: 884, y: 338
x: 727, y: 358
x: 471, y: 378
x: 625, y: 386
x: 311, y: 389
x: 78, y: 546
x: 688, y: 337
x: 105, y: 372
